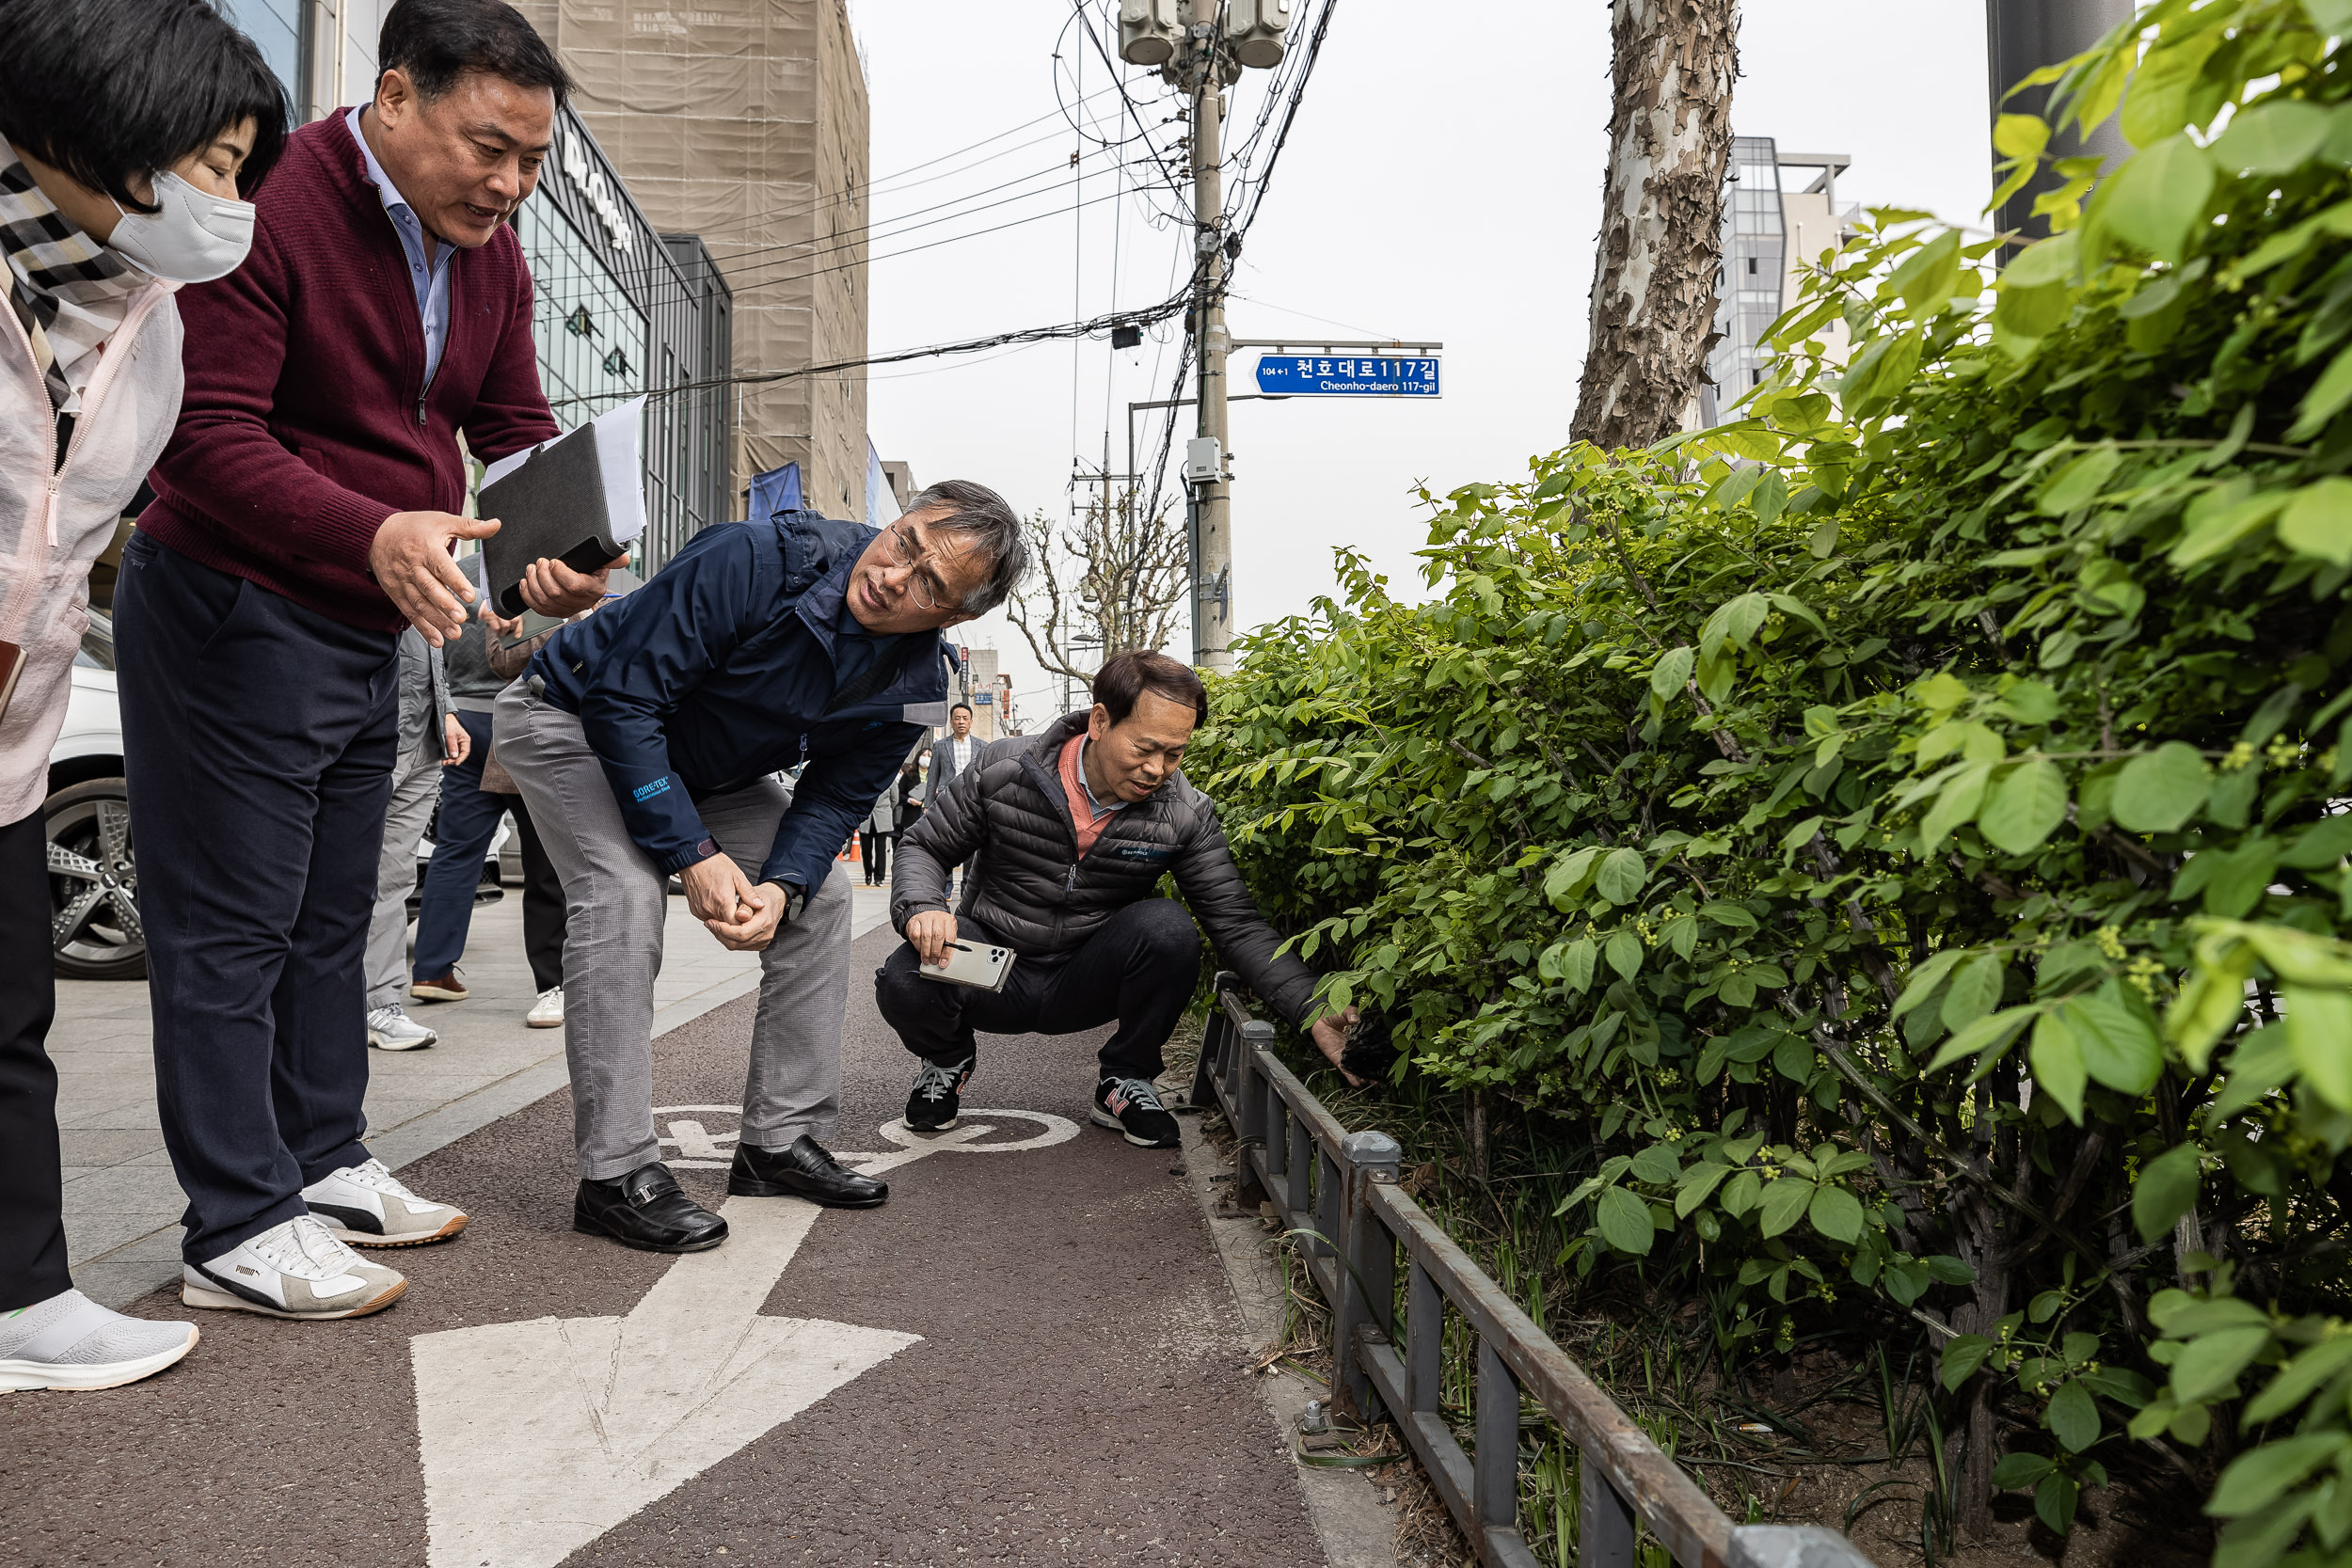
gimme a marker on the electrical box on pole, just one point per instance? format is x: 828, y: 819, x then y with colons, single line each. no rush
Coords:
x: 1205, y: 460
x: 1148, y: 31
x: 1256, y: 29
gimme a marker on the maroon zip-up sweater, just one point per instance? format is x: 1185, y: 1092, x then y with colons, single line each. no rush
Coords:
x: 306, y: 420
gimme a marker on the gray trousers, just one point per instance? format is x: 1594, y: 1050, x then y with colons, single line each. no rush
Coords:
x: 416, y: 790
x: 615, y: 907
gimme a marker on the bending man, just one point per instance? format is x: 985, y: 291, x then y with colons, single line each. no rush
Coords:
x: 646, y: 741
x: 1074, y: 828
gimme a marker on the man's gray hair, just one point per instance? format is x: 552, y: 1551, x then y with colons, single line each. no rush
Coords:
x: 964, y: 507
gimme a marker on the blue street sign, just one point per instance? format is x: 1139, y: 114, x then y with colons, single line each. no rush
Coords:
x: 1347, y: 375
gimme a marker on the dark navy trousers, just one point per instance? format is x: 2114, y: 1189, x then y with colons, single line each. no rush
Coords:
x: 258, y: 739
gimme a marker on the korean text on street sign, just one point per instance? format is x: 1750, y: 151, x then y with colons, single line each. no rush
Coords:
x: 1317, y: 375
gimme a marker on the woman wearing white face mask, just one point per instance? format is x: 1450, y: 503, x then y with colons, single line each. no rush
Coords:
x: 129, y: 132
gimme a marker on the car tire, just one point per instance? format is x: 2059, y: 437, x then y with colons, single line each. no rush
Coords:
x: 93, y: 883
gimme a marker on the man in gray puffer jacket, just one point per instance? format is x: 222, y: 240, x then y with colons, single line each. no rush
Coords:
x: 1074, y: 828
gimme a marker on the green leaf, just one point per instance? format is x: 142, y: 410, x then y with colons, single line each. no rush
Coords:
x: 2273, y: 138
x: 1621, y: 877
x: 1735, y: 916
x: 2025, y: 807
x: 2299, y: 1379
x: 2158, y: 792
x: 2020, y: 1469
x: 2058, y: 1063
x: 1625, y: 1222
x: 1575, y: 963
x: 2165, y: 1188
x: 1740, y: 1193
x: 2211, y: 1362
x: 1962, y: 795
x: 2318, y: 521
x: 1975, y: 990
x: 2319, y: 1032
x: 1673, y: 671
x: 2157, y: 199
x: 1987, y: 1039
x: 2074, y: 1415
x: 1836, y: 1214
x: 2260, y: 1475
x: 1624, y: 952
x: 1924, y: 978
x: 2079, y: 482
x: 1657, y: 1166
x: 1699, y: 1181
x: 1784, y: 1202
x: 2054, y: 1501
x: 1962, y: 1354
x: 2326, y: 399
x: 2118, y: 1048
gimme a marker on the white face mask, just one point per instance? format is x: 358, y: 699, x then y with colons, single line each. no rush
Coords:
x: 195, y: 238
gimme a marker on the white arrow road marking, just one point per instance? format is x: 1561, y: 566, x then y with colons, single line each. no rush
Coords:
x: 537, y: 1437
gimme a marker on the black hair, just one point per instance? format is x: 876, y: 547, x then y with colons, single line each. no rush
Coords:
x: 437, y: 42
x: 1130, y: 674
x: 111, y: 89
x: 967, y: 706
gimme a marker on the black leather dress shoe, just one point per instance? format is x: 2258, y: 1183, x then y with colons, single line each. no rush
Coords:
x: 647, y: 1211
x: 804, y: 1170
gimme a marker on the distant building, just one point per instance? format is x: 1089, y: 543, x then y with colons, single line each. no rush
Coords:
x: 744, y: 121
x: 1770, y: 233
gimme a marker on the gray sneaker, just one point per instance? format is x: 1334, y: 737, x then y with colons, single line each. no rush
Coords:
x: 294, y: 1269
x: 70, y: 1341
x: 391, y: 1029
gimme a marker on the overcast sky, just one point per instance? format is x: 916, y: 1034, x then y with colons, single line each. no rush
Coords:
x: 1443, y: 184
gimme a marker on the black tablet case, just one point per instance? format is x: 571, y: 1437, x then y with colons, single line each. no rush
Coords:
x: 551, y: 506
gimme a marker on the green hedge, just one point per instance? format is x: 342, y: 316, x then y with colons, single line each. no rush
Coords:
x: 1898, y: 825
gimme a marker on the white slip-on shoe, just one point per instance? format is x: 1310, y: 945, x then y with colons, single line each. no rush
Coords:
x: 70, y: 1341
x: 390, y: 1029
x: 547, y: 1012
x: 367, y: 1206
x: 294, y: 1269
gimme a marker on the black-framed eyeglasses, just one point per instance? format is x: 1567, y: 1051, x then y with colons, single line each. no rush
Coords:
x: 929, y: 592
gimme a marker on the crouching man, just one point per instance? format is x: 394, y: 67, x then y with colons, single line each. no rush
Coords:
x: 1074, y: 828
x: 646, y: 740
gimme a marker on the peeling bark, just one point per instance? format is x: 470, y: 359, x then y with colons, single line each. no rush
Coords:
x: 1653, y: 302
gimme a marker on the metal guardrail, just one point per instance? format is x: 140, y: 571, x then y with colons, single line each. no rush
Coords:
x: 1337, y: 1189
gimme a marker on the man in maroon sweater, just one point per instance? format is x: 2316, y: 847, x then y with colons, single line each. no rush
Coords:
x: 304, y: 515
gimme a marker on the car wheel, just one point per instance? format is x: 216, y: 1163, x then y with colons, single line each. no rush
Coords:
x: 94, y: 883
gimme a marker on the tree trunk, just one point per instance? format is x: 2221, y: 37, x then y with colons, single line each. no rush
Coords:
x: 1653, y: 300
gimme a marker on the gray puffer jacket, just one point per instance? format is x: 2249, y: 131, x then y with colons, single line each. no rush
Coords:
x: 1033, y: 889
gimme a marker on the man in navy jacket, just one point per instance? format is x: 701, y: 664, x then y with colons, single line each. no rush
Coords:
x: 647, y: 741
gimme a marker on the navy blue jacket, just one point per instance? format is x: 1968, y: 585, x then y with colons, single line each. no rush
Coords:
x: 720, y: 669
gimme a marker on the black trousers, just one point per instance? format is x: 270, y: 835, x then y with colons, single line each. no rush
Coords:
x: 258, y: 739
x: 874, y: 849
x: 32, y: 1199
x: 543, y: 904
x: 1138, y: 969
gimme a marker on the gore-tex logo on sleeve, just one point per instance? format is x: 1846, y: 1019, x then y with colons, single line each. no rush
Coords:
x: 648, y: 791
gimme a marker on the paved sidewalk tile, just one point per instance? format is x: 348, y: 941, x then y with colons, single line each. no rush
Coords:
x: 121, y: 1204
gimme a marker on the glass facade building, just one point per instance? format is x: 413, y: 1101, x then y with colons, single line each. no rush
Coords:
x: 1771, y: 229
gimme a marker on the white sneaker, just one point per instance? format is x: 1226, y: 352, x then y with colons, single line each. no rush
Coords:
x: 70, y: 1341
x: 389, y: 1029
x: 367, y: 1206
x: 294, y: 1269
x: 547, y: 1012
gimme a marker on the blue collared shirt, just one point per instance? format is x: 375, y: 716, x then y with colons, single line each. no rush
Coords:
x: 431, y: 280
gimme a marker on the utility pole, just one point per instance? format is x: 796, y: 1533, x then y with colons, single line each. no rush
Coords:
x: 1207, y: 481
x: 2022, y: 36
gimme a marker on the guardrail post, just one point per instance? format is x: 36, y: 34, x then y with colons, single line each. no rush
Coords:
x: 1252, y: 1095
x: 1605, y: 1524
x: 1206, y: 1067
x: 1424, y: 1339
x: 1495, y: 1479
x: 1367, y: 1270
